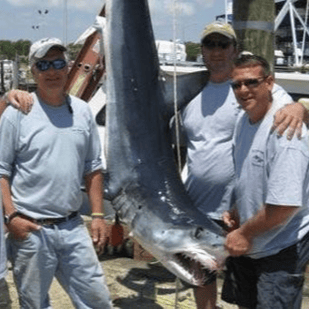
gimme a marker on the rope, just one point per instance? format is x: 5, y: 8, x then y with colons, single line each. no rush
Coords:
x: 176, y: 116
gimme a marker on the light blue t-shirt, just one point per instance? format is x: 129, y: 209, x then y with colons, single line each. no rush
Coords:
x: 46, y: 154
x: 271, y: 170
x: 209, y: 122
x: 2, y: 244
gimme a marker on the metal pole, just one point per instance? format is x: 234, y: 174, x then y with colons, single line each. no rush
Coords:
x: 15, y: 73
x: 65, y: 22
x: 2, y: 91
x: 254, y: 25
x: 294, y: 34
x: 304, y: 34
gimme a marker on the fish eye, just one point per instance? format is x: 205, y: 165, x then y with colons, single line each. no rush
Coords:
x: 198, y: 232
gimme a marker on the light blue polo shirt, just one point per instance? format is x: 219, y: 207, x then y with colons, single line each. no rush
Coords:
x: 46, y: 154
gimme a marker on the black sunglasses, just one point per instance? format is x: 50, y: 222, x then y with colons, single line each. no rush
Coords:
x: 249, y: 83
x: 209, y: 44
x: 44, y: 65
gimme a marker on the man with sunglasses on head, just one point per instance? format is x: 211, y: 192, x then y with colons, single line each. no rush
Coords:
x: 44, y: 157
x: 270, y: 245
x: 209, y: 122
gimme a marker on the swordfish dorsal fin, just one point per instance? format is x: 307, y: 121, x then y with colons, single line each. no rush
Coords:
x: 188, y: 86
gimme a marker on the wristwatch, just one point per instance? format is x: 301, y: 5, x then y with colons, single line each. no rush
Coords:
x: 304, y: 102
x: 10, y: 217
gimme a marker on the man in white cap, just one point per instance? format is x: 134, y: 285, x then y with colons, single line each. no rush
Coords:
x: 209, y: 122
x: 44, y: 157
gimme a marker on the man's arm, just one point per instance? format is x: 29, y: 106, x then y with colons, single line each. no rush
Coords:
x: 239, y: 241
x: 18, y: 226
x: 94, y: 189
x: 290, y: 117
x: 3, y: 104
x: 305, y: 103
x: 17, y: 98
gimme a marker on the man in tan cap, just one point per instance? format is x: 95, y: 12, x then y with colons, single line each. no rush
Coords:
x: 209, y: 122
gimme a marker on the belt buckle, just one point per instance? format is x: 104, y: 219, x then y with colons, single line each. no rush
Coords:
x: 48, y: 222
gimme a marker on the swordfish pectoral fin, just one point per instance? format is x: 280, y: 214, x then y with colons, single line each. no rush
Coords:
x: 108, y: 195
x: 188, y: 87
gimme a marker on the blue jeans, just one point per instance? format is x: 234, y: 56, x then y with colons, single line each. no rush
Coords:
x: 66, y: 252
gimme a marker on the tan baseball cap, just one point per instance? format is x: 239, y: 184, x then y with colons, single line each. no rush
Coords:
x: 221, y: 28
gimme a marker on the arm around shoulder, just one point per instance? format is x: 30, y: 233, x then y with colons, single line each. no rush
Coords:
x: 21, y: 100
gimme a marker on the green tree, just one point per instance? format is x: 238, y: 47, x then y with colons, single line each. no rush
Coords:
x: 22, y: 47
x: 9, y: 50
x: 73, y: 50
x: 192, y: 50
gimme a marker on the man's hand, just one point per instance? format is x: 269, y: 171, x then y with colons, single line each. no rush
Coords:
x: 98, y: 233
x: 21, y: 100
x: 237, y: 244
x: 20, y: 228
x: 231, y: 219
x: 290, y: 117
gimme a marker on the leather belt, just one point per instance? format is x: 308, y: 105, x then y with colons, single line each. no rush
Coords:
x: 51, y: 221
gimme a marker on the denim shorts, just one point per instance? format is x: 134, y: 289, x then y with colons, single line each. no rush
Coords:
x: 271, y: 282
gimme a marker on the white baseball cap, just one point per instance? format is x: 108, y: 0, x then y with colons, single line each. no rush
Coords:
x: 40, y: 48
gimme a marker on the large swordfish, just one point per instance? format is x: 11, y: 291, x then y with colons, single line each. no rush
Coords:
x: 144, y: 185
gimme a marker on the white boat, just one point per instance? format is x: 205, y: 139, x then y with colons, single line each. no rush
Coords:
x: 294, y: 83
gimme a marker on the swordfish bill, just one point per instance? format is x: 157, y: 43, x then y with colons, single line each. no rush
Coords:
x: 143, y: 182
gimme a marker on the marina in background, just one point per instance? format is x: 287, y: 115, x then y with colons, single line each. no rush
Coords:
x: 291, y: 54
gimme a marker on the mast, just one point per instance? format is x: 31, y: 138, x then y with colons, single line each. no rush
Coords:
x: 65, y: 22
x: 253, y: 21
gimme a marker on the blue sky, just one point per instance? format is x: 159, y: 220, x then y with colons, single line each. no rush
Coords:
x: 18, y: 17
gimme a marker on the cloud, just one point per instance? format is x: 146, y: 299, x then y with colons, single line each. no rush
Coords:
x: 206, y: 3
x: 166, y: 7
x: 184, y: 8
x: 78, y: 5
x: 21, y: 3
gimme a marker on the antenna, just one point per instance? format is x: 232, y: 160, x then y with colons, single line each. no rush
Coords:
x: 65, y: 22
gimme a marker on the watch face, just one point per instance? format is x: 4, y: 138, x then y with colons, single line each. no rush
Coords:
x: 6, y: 219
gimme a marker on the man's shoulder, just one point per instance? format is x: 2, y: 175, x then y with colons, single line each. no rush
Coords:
x: 11, y: 114
x: 280, y: 95
x: 78, y: 104
x: 75, y: 100
x: 282, y: 142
